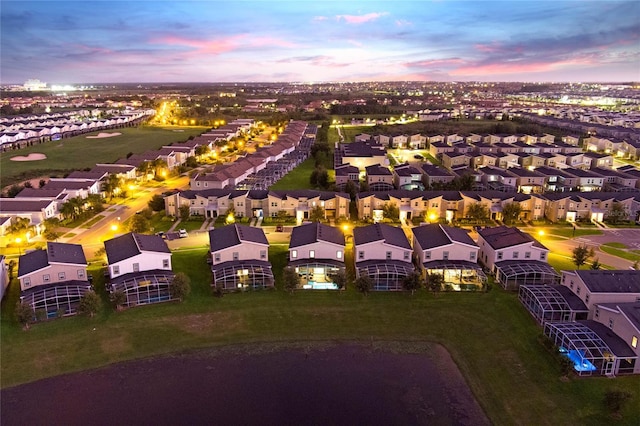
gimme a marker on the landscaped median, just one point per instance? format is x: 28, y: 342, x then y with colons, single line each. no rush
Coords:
x: 490, y: 336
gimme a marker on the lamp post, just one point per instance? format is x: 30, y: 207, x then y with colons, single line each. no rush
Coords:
x: 19, y: 243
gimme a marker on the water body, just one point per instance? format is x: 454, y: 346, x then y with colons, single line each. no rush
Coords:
x: 341, y: 384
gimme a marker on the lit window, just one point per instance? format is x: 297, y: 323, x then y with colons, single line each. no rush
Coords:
x: 634, y: 342
x: 339, y: 254
x: 46, y: 278
x: 312, y: 254
x: 294, y: 254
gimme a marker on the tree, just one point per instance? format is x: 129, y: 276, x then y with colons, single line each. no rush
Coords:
x: 351, y: 188
x: 14, y: 190
x: 20, y: 225
x: 581, y: 254
x: 42, y: 183
x: 180, y: 286
x: 156, y: 203
x: 364, y: 284
x: 50, y: 234
x: 316, y: 214
x: 391, y: 212
x: 319, y: 177
x: 614, y: 400
x: 112, y: 185
x: 24, y: 314
x: 435, y: 282
x: 412, y: 282
x: 118, y: 298
x: 478, y: 212
x: 290, y: 279
x: 617, y: 213
x: 596, y: 264
x: 184, y: 212
x: 339, y: 279
x: 90, y: 304
x: 139, y: 224
x: 191, y: 162
x: 202, y: 150
x: 511, y: 212
x: 11, y: 268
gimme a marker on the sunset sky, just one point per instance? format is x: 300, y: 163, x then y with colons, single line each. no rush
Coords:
x: 64, y: 42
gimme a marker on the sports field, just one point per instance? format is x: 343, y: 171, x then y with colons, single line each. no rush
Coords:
x: 79, y: 152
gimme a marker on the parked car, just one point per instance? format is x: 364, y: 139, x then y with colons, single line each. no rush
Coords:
x: 183, y: 233
x: 418, y: 157
x: 279, y: 228
x: 161, y: 234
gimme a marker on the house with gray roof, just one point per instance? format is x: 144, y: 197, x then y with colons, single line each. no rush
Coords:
x: 383, y: 253
x: 240, y: 258
x: 449, y: 252
x: 623, y: 319
x: 140, y: 267
x: 316, y: 251
x: 515, y: 257
x: 53, y: 281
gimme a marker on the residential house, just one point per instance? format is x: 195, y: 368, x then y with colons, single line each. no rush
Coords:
x: 139, y: 266
x: 514, y: 257
x: 449, y: 252
x: 316, y: 251
x: 383, y: 253
x: 347, y: 173
x: 379, y: 178
x: 239, y: 258
x: 53, y: 281
x: 407, y: 177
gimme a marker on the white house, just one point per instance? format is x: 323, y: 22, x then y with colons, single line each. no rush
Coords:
x: 450, y: 252
x: 316, y: 251
x: 383, y: 253
x: 515, y: 257
x: 239, y: 258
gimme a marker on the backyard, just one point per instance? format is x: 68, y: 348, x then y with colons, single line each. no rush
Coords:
x: 500, y: 358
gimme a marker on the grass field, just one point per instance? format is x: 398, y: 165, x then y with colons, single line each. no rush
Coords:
x: 621, y: 250
x: 79, y: 152
x: 491, y: 337
x: 298, y: 178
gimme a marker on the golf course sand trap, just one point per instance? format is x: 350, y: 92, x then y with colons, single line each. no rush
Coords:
x: 34, y: 156
x: 104, y: 135
x: 339, y: 383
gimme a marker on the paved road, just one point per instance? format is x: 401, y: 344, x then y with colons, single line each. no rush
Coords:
x: 92, y: 239
x: 629, y: 237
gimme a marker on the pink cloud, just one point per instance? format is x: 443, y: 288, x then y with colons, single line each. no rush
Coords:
x: 517, y: 67
x: 428, y: 63
x: 361, y: 19
x: 224, y: 44
x: 214, y: 47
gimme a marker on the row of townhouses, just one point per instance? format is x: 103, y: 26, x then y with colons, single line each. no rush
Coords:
x: 591, y: 315
x: 426, y: 205
x: 18, y: 132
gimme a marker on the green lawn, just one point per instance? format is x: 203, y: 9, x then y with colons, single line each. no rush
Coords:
x: 620, y: 250
x: 298, y: 178
x: 79, y: 152
x: 193, y: 224
x: 494, y: 341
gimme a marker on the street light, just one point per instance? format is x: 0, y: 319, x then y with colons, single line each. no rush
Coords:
x: 19, y: 242
x: 114, y: 227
